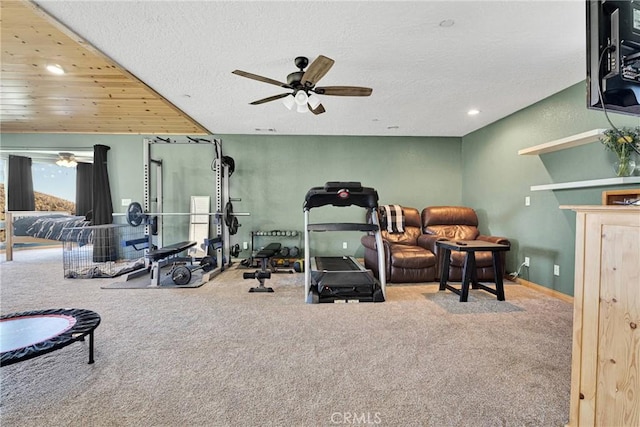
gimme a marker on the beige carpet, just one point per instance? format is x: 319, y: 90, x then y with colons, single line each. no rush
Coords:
x: 220, y: 356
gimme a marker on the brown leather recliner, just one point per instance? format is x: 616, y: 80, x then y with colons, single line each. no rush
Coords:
x: 405, y: 261
x: 457, y: 223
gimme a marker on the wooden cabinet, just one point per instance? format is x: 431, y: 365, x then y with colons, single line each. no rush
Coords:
x: 619, y: 197
x: 605, y: 367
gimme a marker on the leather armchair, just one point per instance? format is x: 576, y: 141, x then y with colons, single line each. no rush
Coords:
x: 405, y: 261
x: 457, y: 223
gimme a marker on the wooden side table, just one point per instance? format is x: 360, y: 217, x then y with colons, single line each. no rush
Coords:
x: 469, y: 275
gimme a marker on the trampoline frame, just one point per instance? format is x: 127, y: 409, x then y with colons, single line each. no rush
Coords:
x: 86, y: 322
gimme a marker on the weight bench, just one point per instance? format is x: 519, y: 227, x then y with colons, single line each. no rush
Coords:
x: 158, y: 255
x: 264, y: 273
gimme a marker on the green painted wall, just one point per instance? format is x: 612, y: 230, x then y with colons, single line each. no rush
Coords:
x: 496, y: 180
x: 273, y: 174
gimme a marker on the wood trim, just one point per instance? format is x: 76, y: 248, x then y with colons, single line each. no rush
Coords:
x: 96, y: 95
x: 545, y: 290
x: 72, y: 35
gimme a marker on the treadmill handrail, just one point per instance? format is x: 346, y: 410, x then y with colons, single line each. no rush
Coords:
x: 343, y: 226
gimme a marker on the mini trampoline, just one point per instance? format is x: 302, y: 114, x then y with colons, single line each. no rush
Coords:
x: 29, y: 334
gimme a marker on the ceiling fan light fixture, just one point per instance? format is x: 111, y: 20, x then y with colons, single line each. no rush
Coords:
x: 67, y: 160
x: 301, y: 98
x: 303, y: 86
x: 314, y: 101
x: 289, y: 101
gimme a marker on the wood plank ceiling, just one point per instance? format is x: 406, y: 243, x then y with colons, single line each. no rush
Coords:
x: 95, y: 95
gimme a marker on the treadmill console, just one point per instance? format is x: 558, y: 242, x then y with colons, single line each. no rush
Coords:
x: 337, y: 193
x: 337, y: 185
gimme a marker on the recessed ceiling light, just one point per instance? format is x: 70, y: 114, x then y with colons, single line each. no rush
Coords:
x: 447, y: 23
x: 55, y: 69
x: 473, y: 112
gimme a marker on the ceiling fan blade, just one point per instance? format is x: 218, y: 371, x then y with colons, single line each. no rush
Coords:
x: 343, y: 91
x: 259, y: 78
x: 319, y: 109
x: 318, y: 68
x: 269, y: 99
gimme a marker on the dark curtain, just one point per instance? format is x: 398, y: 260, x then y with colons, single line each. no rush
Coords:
x: 84, y: 188
x: 20, y: 196
x: 102, y: 207
x: 105, y: 246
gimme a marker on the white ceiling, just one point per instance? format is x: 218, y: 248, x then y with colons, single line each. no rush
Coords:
x: 498, y: 57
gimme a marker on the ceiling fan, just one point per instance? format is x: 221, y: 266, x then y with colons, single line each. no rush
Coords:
x: 303, y: 84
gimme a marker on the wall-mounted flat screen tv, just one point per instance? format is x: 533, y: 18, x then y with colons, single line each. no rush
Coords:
x: 613, y: 55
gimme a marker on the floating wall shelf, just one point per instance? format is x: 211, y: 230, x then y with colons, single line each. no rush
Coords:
x: 570, y: 142
x: 564, y: 143
x: 585, y: 184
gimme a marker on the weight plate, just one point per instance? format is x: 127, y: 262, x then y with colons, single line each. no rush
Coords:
x: 233, y: 228
x: 235, y: 250
x: 207, y: 263
x: 228, y: 214
x: 294, y: 252
x: 181, y: 275
x: 228, y: 160
x: 135, y: 215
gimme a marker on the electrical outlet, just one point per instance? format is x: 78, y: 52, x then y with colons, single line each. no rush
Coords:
x: 556, y: 270
x: 125, y: 202
x: 526, y: 261
x: 527, y: 202
x: 245, y: 245
x: 344, y: 245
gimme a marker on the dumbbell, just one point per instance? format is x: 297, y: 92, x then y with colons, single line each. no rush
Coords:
x: 257, y: 275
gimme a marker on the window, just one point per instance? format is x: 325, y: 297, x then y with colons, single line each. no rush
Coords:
x: 54, y: 187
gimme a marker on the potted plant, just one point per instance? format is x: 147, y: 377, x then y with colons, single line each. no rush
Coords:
x: 624, y: 142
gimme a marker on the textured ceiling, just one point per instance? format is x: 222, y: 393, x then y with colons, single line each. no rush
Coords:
x: 497, y: 57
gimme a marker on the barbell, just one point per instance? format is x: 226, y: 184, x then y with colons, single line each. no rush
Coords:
x: 181, y: 274
x: 136, y: 216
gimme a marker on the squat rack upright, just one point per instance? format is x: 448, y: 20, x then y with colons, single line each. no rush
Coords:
x: 221, y: 243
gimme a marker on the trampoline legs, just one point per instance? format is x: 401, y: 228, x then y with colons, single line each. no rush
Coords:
x: 91, y: 348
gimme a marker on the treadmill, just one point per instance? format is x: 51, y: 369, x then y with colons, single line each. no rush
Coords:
x: 342, y: 278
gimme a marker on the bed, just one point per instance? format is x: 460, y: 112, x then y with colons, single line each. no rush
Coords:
x: 44, y: 227
x: 89, y: 251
